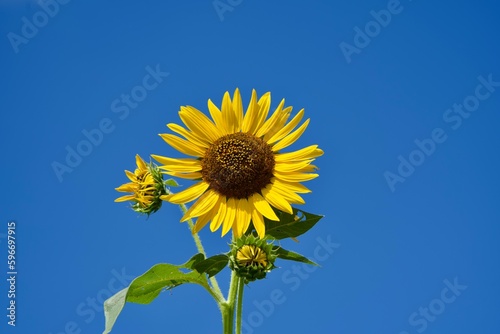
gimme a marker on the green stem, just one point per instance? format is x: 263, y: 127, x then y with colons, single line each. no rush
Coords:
x: 228, y: 307
x: 215, y: 285
x: 236, y: 285
x: 227, y: 320
x: 239, y: 306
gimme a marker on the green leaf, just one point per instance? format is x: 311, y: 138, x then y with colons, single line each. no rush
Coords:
x: 112, y: 308
x: 213, y: 265
x: 292, y: 256
x: 145, y: 288
x: 291, y: 226
x: 192, y: 261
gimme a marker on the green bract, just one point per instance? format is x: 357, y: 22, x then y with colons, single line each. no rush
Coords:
x: 251, y: 258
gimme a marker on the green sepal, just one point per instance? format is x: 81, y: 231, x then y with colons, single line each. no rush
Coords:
x: 145, y: 288
x: 212, y: 265
x: 251, y: 269
x: 171, y: 183
x: 290, y: 225
x: 292, y: 256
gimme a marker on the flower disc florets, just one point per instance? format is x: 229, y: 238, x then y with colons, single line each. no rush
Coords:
x: 252, y: 258
x: 238, y: 165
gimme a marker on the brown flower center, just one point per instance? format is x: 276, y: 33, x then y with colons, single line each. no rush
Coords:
x: 238, y: 165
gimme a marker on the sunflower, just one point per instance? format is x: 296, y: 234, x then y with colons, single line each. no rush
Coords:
x: 252, y: 258
x: 146, y: 187
x: 242, y: 174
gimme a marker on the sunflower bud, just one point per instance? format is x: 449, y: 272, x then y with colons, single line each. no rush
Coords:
x: 145, y: 188
x: 252, y: 258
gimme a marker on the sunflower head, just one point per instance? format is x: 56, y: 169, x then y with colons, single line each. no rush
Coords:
x: 242, y: 176
x: 146, y: 186
x: 251, y: 258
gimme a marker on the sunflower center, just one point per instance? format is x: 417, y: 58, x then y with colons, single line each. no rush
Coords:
x: 238, y: 165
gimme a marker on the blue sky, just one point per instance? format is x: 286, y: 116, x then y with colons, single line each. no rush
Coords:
x: 404, y: 98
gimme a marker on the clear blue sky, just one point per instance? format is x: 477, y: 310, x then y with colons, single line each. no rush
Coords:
x: 404, y: 98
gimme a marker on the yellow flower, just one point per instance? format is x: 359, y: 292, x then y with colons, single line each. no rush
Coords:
x: 252, y: 258
x: 251, y: 263
x: 146, y: 187
x: 250, y: 255
x: 237, y: 161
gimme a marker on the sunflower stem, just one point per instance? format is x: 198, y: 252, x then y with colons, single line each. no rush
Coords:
x: 227, y: 308
x: 215, y: 285
x: 239, y: 306
x: 227, y: 319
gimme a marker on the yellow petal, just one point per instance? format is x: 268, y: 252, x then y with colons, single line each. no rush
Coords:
x: 295, y: 177
x: 148, y: 179
x: 127, y: 188
x: 291, y: 138
x: 251, y: 114
x: 290, y: 196
x: 264, y: 104
x: 125, y: 198
x: 140, y: 163
x: 269, y: 124
x: 293, y: 186
x: 307, y: 169
x: 238, y: 109
x: 217, y: 117
x: 279, y: 123
x: 243, y: 216
x: 188, y: 176
x: 287, y: 128
x: 258, y: 223
x: 230, y: 216
x: 178, y: 165
x: 144, y: 200
x: 219, y: 217
x: 292, y: 166
x: 182, y: 145
x: 201, y: 222
x: 306, y: 153
x: 276, y: 199
x: 228, y: 115
x: 263, y: 206
x: 204, y: 204
x: 190, y: 136
x: 131, y: 176
x: 188, y: 194
x: 200, y: 124
x: 204, y: 219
